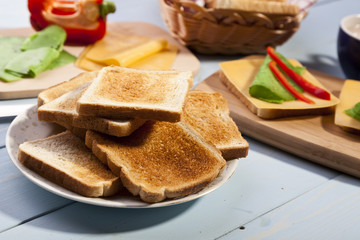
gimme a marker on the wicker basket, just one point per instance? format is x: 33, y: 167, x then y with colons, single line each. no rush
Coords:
x: 225, y: 31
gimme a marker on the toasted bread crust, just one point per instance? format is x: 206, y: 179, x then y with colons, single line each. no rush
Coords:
x: 118, y: 128
x: 209, y: 115
x: 123, y: 112
x: 119, y: 92
x: 63, y: 111
x: 96, y: 181
x: 60, y: 89
x: 159, y: 160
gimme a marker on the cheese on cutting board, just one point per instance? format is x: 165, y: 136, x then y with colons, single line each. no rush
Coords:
x: 238, y: 75
x: 349, y: 96
x: 128, y: 51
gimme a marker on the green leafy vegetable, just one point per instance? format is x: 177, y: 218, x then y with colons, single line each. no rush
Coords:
x: 354, y: 112
x: 9, y: 48
x: 29, y: 64
x: 266, y: 86
x: 52, y: 36
x: 27, y: 57
x: 63, y: 59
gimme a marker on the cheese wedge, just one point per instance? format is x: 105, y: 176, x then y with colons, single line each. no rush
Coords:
x: 349, y: 96
x: 128, y: 51
x: 238, y: 75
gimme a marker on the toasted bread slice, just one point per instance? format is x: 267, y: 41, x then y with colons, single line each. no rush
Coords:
x: 77, y: 131
x: 238, y: 75
x: 65, y: 160
x: 209, y: 115
x: 58, y: 90
x: 63, y: 111
x: 159, y: 160
x: 119, y: 92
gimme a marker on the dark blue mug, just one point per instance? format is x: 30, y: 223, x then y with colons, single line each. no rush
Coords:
x: 348, y: 46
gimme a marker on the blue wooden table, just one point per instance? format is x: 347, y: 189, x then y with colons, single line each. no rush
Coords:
x: 272, y: 195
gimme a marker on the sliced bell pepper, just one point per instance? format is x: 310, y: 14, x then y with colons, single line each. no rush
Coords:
x: 307, y: 86
x: 286, y: 84
x: 83, y: 20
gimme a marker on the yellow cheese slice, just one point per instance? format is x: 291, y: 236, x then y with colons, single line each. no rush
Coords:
x: 162, y: 60
x: 112, y: 44
x: 83, y: 63
x: 132, y: 55
x: 129, y: 51
x: 238, y: 75
x: 159, y: 61
x: 349, y: 96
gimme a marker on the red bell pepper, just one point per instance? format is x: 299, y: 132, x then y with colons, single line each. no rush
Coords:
x: 83, y: 20
x: 307, y: 86
x: 286, y: 84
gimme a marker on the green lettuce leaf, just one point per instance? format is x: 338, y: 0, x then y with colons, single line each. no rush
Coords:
x: 52, y: 36
x: 9, y: 48
x: 27, y: 57
x: 63, y: 59
x: 29, y: 64
x: 354, y: 112
x: 268, y: 88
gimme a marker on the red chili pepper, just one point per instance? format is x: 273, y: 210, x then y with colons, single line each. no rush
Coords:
x: 307, y: 86
x: 286, y: 84
x: 83, y: 20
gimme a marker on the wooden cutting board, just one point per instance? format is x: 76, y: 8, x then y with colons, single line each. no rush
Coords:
x: 315, y: 138
x: 24, y: 88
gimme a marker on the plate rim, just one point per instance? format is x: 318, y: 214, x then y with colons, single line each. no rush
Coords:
x: 231, y: 166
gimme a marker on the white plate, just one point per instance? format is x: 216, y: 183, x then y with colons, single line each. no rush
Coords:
x: 26, y: 127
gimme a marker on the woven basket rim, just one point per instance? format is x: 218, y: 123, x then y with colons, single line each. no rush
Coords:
x: 209, y: 12
x: 210, y: 31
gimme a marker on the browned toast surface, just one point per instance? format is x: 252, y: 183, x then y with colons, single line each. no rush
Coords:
x: 159, y: 160
x: 63, y: 111
x: 209, y: 115
x: 65, y: 160
x: 58, y: 90
x: 123, y: 92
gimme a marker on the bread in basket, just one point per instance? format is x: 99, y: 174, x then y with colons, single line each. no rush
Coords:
x: 228, y: 31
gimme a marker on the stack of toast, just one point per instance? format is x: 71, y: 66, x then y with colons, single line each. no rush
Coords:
x: 142, y: 130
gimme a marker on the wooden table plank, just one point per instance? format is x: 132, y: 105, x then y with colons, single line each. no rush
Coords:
x: 252, y: 192
x: 21, y: 199
x: 4, y: 124
x: 323, y: 213
x: 247, y: 195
